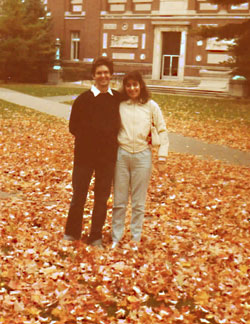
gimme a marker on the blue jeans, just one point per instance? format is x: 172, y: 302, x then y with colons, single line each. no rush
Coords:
x: 132, y: 174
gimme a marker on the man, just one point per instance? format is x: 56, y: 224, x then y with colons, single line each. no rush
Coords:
x: 95, y: 123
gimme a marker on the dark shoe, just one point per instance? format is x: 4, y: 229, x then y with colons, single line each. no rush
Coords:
x: 67, y: 237
x: 96, y: 243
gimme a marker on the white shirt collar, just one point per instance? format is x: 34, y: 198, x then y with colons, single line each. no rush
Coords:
x: 96, y: 91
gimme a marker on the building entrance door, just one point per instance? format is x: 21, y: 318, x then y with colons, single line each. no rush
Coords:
x: 170, y: 65
x: 171, y: 43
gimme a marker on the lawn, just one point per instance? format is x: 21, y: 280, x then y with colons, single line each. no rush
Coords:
x: 192, y: 265
x: 203, y: 109
x: 219, y: 121
x: 180, y: 107
x: 40, y: 90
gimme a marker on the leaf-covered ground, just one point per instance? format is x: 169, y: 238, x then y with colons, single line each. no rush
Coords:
x: 192, y: 265
x: 224, y: 121
x: 213, y: 120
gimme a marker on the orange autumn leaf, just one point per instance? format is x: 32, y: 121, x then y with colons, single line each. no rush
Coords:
x: 133, y: 299
x: 202, y: 298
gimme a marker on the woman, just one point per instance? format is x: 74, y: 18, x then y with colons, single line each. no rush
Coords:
x: 134, y: 159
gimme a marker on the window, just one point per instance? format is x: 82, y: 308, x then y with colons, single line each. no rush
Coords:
x: 45, y: 3
x: 243, y: 7
x: 206, y: 6
x: 76, y: 6
x: 75, y: 45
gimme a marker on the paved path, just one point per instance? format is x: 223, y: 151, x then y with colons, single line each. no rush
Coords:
x: 44, y: 105
x: 178, y: 143
x: 206, y: 151
x: 62, y: 98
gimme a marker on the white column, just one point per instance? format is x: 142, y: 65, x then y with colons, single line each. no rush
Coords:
x: 157, y: 54
x: 105, y: 41
x: 182, y: 55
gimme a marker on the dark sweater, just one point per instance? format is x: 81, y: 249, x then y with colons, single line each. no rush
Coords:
x: 95, y: 123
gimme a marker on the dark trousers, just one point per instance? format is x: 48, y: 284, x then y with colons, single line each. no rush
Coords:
x: 81, y: 179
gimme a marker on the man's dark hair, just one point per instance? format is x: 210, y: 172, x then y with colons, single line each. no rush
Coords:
x: 135, y: 76
x: 102, y: 60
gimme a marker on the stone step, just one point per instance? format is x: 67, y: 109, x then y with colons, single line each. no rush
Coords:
x: 187, y: 91
x: 174, y: 83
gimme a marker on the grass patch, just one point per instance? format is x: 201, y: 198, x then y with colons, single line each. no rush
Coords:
x: 175, y: 106
x: 39, y: 90
x: 12, y: 111
x: 202, y: 109
x: 68, y: 102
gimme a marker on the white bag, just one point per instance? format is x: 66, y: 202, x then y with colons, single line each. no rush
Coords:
x: 155, y: 138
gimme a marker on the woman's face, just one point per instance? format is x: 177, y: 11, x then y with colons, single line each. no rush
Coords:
x: 133, y: 89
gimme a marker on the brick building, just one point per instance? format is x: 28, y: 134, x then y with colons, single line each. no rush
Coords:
x: 153, y: 35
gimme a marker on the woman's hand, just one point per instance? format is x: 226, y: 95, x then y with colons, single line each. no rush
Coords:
x: 161, y: 166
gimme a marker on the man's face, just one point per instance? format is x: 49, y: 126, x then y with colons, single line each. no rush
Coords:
x: 102, y: 77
